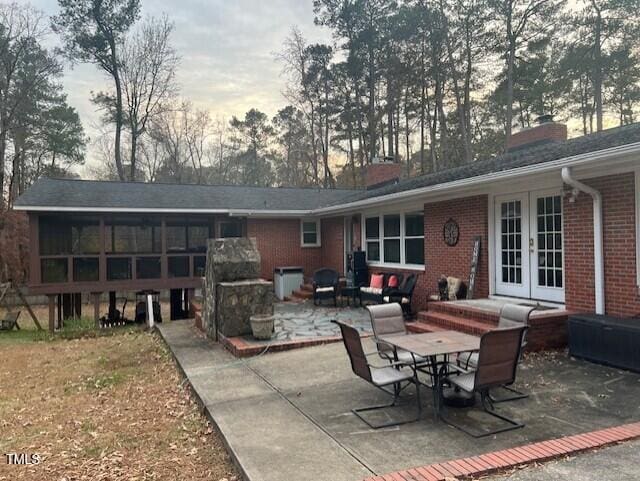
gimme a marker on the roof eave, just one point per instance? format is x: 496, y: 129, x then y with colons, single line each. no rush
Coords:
x: 135, y: 210
x: 469, y: 182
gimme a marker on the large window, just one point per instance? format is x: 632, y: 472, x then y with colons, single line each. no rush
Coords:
x: 133, y: 238
x: 231, y: 228
x: 54, y: 270
x: 310, y: 233
x: 59, y: 236
x: 183, y: 237
x: 395, y: 238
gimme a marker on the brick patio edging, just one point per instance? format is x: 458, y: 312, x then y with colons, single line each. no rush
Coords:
x: 499, y: 461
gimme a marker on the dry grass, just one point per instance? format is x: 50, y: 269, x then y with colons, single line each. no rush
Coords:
x: 108, y: 408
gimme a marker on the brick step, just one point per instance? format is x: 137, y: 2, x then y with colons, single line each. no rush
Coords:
x: 420, y: 327
x: 465, y: 312
x: 302, y: 294
x: 450, y: 322
x: 307, y: 287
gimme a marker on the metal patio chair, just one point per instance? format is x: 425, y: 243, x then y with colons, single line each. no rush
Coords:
x: 511, y: 315
x: 498, y: 357
x: 381, y: 377
x: 325, y: 285
x: 387, y: 319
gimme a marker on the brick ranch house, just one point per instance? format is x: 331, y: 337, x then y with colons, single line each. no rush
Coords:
x: 558, y: 222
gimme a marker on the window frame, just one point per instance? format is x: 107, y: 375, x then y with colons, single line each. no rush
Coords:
x: 317, y: 223
x: 381, y: 238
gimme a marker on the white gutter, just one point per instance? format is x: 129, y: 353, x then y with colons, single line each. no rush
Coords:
x: 468, y: 182
x: 598, y: 245
x: 231, y: 212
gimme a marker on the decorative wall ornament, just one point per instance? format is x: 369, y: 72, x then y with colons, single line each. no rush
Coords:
x: 451, y: 232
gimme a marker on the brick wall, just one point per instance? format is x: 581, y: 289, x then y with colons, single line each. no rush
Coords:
x: 278, y: 241
x: 621, y: 294
x: 279, y: 245
x: 332, y: 231
x: 471, y: 214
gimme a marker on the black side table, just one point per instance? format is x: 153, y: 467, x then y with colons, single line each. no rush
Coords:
x: 352, y: 293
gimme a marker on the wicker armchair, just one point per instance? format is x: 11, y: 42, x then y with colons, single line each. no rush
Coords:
x: 325, y: 285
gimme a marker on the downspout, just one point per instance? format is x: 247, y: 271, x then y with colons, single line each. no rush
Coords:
x: 598, y: 244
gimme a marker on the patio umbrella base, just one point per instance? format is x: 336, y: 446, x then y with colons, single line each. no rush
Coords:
x: 457, y: 398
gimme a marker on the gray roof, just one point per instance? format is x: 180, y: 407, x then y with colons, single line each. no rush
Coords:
x: 84, y: 194
x: 531, y: 155
x: 66, y: 193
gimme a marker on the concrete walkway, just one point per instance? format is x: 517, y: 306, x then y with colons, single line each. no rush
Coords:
x: 269, y: 438
x: 287, y: 415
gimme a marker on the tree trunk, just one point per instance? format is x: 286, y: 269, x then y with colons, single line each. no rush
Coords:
x: 132, y: 159
x: 3, y: 153
x: 509, y: 101
x: 597, y: 67
x: 372, y: 104
x: 406, y: 133
x: 118, y: 133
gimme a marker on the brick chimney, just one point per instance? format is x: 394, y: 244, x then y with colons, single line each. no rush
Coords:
x: 381, y: 171
x: 546, y: 131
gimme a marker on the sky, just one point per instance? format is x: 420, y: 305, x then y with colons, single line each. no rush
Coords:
x: 227, y: 48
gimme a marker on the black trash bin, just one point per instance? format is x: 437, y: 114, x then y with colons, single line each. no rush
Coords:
x: 608, y: 340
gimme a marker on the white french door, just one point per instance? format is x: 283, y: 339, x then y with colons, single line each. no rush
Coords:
x: 529, y: 245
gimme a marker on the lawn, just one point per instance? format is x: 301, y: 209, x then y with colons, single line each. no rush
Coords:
x: 106, y: 407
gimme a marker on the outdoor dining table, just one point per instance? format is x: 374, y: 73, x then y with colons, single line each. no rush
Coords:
x: 431, y: 345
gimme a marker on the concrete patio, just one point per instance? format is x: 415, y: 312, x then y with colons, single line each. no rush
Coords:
x: 288, y: 415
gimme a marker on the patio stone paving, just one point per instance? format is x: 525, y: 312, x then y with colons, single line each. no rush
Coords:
x: 297, y: 320
x: 288, y: 415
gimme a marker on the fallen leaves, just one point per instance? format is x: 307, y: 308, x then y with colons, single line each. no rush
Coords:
x: 107, y: 408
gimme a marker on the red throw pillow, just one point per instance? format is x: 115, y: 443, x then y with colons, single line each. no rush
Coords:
x: 377, y: 281
x: 393, y: 281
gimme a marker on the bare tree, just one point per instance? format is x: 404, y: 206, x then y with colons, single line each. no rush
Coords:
x: 148, y: 71
x: 93, y: 31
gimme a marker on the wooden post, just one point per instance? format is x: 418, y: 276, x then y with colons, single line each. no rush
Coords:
x: 60, y: 318
x: 77, y: 305
x: 52, y: 313
x: 96, y: 307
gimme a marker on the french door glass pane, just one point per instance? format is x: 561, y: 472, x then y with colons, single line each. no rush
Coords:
x: 549, y: 230
x: 511, y: 243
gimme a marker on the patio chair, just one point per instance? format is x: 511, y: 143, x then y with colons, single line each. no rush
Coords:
x: 376, y: 294
x: 325, y: 285
x: 497, y: 363
x: 10, y: 321
x: 511, y: 315
x: 403, y: 295
x: 387, y: 319
x: 393, y: 374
